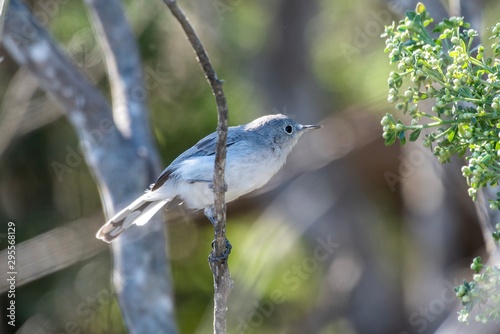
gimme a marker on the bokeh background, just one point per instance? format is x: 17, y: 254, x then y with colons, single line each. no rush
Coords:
x: 350, y: 237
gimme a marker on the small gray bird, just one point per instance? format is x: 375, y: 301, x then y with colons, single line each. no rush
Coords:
x: 255, y: 152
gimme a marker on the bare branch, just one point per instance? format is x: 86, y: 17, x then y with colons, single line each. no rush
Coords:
x: 54, y: 250
x: 3, y: 9
x: 130, y: 116
x: 14, y: 106
x: 222, y: 277
x: 140, y: 273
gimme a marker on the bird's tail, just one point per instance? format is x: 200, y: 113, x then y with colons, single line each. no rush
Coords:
x: 138, y: 212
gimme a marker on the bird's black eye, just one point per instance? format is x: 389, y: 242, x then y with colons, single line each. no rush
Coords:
x: 289, y: 129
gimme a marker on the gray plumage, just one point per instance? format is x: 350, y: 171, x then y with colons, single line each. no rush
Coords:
x: 255, y: 152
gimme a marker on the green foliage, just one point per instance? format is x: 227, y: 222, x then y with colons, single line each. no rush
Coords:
x: 446, y: 67
x: 460, y: 80
x: 483, y: 292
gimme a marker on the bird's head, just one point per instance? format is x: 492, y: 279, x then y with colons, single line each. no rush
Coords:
x: 279, y: 129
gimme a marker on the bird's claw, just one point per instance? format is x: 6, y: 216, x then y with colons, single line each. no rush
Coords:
x: 224, y: 256
x: 219, y: 189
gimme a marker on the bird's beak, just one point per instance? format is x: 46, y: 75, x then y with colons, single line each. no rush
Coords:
x: 311, y: 127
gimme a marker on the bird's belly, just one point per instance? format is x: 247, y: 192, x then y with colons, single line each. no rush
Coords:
x: 244, y: 179
x: 241, y: 177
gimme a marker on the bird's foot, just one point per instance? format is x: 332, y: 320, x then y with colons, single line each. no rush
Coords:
x: 219, y: 189
x: 224, y: 256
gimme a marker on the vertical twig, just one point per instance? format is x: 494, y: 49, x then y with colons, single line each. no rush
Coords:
x: 222, y: 277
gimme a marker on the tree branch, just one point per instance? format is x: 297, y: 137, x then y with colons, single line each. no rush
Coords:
x: 131, y: 118
x: 140, y: 273
x: 4, y: 4
x: 222, y: 277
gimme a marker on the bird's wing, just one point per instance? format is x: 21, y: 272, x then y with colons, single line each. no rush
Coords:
x: 205, y: 147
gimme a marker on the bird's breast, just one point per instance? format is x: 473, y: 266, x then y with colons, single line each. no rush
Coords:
x: 247, y: 173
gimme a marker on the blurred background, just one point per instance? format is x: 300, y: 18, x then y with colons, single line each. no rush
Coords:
x: 350, y: 237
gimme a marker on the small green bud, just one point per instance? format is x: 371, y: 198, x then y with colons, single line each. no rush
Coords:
x: 392, y: 98
x: 460, y: 291
x: 477, y: 264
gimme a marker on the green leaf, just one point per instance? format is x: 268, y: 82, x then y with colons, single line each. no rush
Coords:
x: 402, y: 137
x: 422, y: 96
x: 390, y: 139
x: 485, y: 159
x: 391, y: 118
x: 414, y: 135
x: 462, y: 42
x: 417, y: 20
x: 411, y: 15
x: 452, y: 133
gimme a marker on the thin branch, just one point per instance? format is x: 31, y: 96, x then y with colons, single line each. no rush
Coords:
x: 222, y: 277
x: 54, y: 250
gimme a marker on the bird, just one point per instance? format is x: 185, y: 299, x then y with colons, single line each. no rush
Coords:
x: 255, y: 152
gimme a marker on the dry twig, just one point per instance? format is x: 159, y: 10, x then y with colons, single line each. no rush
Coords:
x: 222, y: 277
